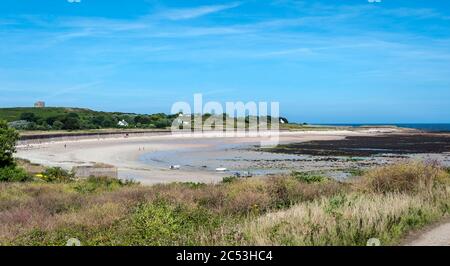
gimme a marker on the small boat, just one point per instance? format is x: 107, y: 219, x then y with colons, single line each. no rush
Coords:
x: 221, y: 169
x: 175, y: 167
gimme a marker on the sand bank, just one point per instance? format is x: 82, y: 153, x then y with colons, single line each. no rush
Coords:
x: 147, y: 158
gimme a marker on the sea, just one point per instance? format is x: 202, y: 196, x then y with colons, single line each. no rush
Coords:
x: 424, y: 127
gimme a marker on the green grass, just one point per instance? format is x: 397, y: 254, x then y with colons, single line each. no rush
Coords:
x: 229, y: 179
x: 308, y: 177
x: 355, y: 172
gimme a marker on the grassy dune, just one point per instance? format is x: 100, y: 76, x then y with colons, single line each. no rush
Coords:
x: 290, y: 210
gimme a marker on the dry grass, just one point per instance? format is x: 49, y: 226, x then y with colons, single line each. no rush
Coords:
x: 410, y: 177
x: 104, y: 212
x: 358, y: 219
x: 385, y: 203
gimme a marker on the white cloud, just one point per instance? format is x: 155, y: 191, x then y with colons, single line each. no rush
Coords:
x: 189, y: 13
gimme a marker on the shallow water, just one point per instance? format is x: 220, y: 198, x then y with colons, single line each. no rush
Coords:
x: 237, y: 158
x: 242, y: 158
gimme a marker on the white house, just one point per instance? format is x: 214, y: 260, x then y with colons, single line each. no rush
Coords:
x: 122, y: 123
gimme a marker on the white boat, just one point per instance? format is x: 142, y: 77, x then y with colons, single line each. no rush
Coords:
x: 175, y: 167
x: 221, y: 169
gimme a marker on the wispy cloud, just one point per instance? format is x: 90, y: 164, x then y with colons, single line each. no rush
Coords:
x: 190, y: 13
x: 420, y: 13
x: 72, y: 89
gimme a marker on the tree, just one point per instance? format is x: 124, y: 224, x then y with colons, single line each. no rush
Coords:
x: 73, y: 115
x: 71, y: 123
x: 163, y: 123
x: 52, y: 119
x: 57, y: 125
x: 141, y: 119
x: 109, y: 122
x: 30, y: 117
x: 8, y: 139
x: 98, y: 120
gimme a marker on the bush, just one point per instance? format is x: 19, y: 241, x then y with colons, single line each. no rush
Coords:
x: 193, y: 185
x: 309, y: 177
x: 56, y: 174
x: 159, y: 223
x: 72, y: 123
x: 30, y: 117
x: 13, y: 174
x: 57, y: 125
x: 163, y: 123
x: 411, y: 177
x: 246, y: 196
x: 93, y: 184
x: 356, y: 172
x: 229, y: 179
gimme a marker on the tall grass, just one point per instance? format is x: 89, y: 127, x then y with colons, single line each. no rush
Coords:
x: 411, y: 177
x: 284, y: 210
x: 352, y: 222
x: 387, y: 203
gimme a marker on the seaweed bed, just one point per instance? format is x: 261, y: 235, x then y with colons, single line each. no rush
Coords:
x: 374, y: 145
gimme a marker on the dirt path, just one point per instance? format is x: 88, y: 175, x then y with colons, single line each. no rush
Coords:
x: 439, y: 235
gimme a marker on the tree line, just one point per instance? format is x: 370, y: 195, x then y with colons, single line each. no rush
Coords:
x: 76, y: 121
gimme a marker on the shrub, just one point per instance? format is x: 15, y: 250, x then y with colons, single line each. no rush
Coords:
x: 71, y: 123
x: 309, y: 177
x: 288, y: 190
x: 159, y: 223
x: 411, y: 177
x: 357, y: 172
x: 13, y: 174
x: 193, y: 184
x: 30, y: 117
x: 229, y: 179
x: 283, y: 191
x: 246, y: 196
x: 93, y: 184
x: 57, y: 125
x: 56, y: 174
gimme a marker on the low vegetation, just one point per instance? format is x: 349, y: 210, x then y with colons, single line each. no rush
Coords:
x: 284, y: 210
x: 309, y: 177
x: 385, y: 203
x: 60, y: 118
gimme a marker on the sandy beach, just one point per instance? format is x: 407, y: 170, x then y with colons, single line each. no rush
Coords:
x: 147, y: 159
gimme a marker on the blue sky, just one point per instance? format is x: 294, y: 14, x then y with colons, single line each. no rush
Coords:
x: 324, y: 61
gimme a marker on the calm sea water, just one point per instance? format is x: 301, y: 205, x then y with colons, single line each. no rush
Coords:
x: 425, y: 127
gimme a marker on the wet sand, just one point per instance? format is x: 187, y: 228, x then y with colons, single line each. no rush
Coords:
x: 147, y: 158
